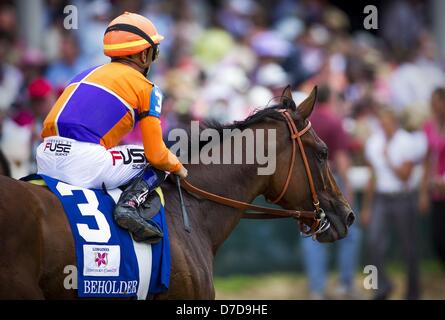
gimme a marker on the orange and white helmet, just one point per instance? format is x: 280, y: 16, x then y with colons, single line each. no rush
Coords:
x: 131, y: 33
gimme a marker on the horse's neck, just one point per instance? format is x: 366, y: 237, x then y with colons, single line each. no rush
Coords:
x: 239, y: 182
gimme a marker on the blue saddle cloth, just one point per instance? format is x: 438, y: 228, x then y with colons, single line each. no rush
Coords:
x: 109, y: 262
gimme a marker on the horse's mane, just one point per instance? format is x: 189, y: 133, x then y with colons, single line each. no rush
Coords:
x: 257, y: 116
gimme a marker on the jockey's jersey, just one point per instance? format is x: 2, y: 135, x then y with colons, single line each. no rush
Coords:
x: 102, y: 104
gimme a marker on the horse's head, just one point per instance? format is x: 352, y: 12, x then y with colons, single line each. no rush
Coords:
x: 298, y: 194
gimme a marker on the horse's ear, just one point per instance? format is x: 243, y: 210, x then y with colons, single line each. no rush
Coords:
x: 307, y: 106
x: 286, y: 96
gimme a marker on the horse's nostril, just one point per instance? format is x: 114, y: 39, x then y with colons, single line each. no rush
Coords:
x: 350, y: 219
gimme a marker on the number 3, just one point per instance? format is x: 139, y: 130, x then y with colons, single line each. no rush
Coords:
x: 101, y: 235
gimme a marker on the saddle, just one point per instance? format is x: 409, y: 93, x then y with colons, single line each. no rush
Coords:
x: 147, y: 210
x: 107, y: 254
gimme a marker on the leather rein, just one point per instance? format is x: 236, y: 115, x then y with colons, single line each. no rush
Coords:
x: 311, y: 222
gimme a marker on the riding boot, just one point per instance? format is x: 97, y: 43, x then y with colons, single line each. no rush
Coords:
x: 127, y: 211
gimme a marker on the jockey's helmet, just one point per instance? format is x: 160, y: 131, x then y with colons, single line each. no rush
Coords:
x: 131, y: 33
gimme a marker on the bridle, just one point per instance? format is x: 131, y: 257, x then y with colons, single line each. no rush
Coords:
x: 311, y: 222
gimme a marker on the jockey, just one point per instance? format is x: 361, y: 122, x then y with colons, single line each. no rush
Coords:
x: 97, y: 109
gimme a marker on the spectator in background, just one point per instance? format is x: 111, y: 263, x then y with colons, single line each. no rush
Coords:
x: 390, y: 200
x: 32, y: 65
x: 94, y: 21
x: 415, y: 77
x: 24, y: 126
x: 401, y: 15
x: 69, y: 64
x: 272, y: 50
x: 41, y: 99
x: 432, y: 195
x: 10, y: 77
x: 329, y: 128
x: 9, y: 26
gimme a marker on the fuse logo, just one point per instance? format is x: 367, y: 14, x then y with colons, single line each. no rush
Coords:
x: 129, y: 156
x: 59, y: 148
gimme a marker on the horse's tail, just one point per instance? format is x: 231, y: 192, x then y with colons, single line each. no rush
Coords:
x: 5, y: 169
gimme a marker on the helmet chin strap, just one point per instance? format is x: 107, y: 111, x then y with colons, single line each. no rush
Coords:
x: 144, y: 66
x: 146, y: 70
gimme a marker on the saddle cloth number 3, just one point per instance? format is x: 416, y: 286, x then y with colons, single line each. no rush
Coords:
x: 100, y: 235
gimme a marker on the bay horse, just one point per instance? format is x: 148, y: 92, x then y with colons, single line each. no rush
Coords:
x: 36, y: 240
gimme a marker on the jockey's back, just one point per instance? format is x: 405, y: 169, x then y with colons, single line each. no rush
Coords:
x: 102, y: 104
x: 97, y: 109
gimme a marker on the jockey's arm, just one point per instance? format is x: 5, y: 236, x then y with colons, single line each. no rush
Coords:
x: 155, y: 149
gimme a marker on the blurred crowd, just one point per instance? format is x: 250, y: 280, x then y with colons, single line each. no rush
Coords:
x: 381, y: 106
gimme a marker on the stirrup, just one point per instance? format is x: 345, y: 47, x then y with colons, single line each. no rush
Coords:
x: 142, y: 230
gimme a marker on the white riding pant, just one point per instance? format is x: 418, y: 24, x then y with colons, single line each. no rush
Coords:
x: 89, y: 165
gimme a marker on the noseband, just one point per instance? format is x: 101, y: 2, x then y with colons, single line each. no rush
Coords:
x: 311, y: 222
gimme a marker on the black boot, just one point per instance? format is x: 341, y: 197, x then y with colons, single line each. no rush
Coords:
x: 127, y: 211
